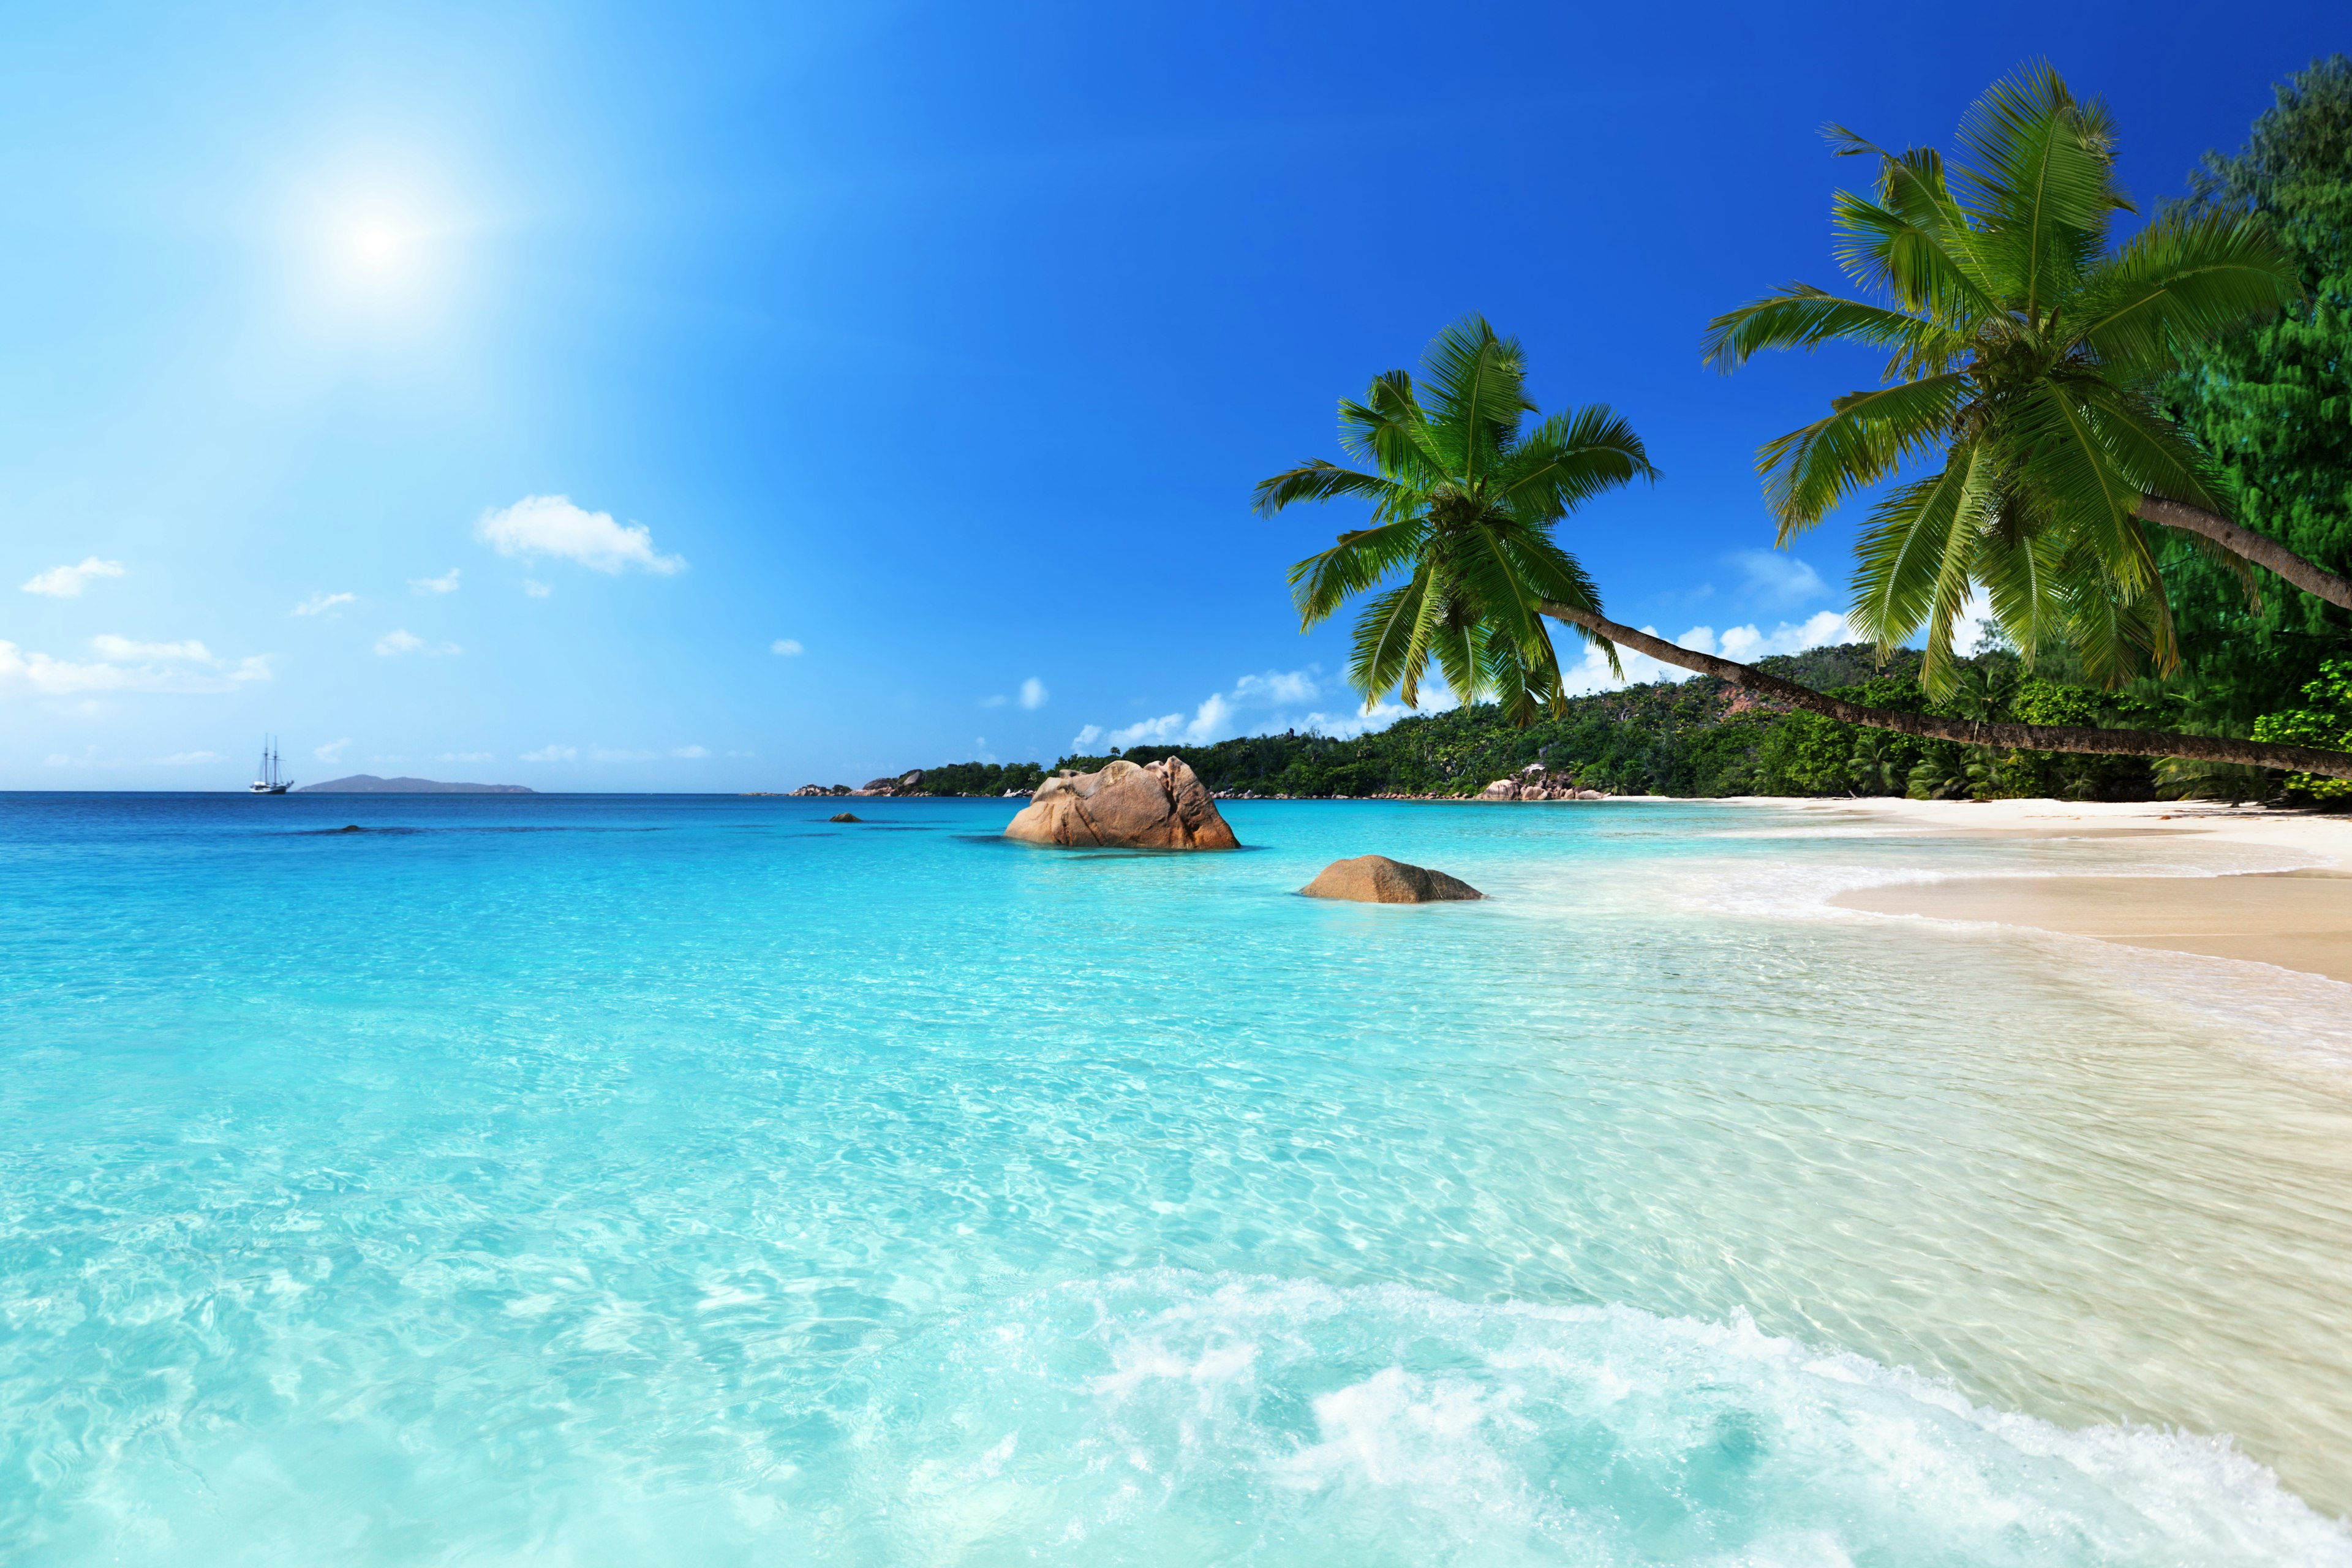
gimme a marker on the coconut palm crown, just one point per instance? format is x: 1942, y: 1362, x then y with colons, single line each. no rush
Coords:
x: 2021, y: 351
x: 1463, y: 501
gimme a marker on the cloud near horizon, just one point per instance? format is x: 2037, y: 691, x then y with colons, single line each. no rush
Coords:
x: 1263, y: 704
x: 1746, y: 644
x: 127, y: 667
x: 66, y: 582
x: 551, y: 525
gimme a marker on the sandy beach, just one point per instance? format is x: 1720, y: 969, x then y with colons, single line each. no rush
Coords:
x: 2298, y: 919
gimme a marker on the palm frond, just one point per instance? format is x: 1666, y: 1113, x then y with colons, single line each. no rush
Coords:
x: 1862, y: 441
x: 1317, y: 480
x: 1569, y: 459
x: 2182, y: 280
x: 1803, y: 317
x: 1362, y: 560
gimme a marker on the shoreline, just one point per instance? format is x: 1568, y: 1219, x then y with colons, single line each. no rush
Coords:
x: 2294, y: 917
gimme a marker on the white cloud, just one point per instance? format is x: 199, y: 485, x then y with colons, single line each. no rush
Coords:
x: 998, y: 701
x: 468, y: 756
x: 689, y: 751
x: 445, y: 584
x: 127, y: 667
x: 1262, y: 704
x: 552, y: 754
x: 320, y: 603
x: 1779, y: 580
x: 184, y: 759
x: 401, y: 640
x: 66, y: 582
x: 551, y: 525
x: 784, y: 648
x: 332, y: 751
x: 1746, y: 644
x: 1034, y: 693
x: 537, y: 589
x: 122, y: 651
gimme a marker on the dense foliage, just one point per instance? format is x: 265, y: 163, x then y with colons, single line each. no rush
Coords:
x: 2273, y: 406
x: 2325, y: 720
x: 1698, y: 737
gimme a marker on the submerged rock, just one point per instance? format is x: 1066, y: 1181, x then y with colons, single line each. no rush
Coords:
x: 845, y: 817
x: 1163, y: 806
x: 1376, y: 879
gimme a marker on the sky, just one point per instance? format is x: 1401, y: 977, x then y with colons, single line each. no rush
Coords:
x: 696, y: 398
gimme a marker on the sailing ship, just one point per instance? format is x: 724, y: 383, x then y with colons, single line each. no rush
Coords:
x: 270, y: 782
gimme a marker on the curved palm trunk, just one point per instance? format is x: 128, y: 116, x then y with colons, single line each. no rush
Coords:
x: 1929, y: 726
x: 2259, y: 548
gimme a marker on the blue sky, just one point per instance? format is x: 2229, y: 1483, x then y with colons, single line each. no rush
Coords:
x: 566, y: 363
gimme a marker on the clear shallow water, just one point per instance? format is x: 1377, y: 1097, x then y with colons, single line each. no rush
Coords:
x: 651, y: 1181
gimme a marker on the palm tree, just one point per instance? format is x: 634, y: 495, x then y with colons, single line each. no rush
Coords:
x: 1463, y: 501
x: 1464, y: 504
x: 2021, y: 348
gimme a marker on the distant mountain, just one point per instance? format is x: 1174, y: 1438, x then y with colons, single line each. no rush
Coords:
x: 368, y: 783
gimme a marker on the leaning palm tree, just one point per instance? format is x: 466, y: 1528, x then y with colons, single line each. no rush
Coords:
x: 1457, y: 564
x: 2021, y: 347
x: 1463, y: 499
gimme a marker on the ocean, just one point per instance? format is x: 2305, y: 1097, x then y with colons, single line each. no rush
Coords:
x: 645, y: 1180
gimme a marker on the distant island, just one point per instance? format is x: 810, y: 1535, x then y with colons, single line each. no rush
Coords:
x: 368, y: 783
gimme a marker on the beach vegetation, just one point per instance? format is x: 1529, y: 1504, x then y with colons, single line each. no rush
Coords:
x: 1464, y: 498
x: 2023, y: 351
x: 2270, y: 407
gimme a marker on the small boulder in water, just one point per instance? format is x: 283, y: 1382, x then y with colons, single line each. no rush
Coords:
x: 353, y: 828
x: 1376, y: 879
x: 845, y: 817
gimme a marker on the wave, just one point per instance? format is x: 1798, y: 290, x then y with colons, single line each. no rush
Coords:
x: 1168, y: 1417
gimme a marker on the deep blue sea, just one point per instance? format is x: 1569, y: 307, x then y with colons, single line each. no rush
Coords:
x: 626, y: 1180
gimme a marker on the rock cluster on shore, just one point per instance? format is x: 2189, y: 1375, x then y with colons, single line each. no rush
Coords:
x: 908, y: 783
x: 1534, y: 782
x: 1159, y: 806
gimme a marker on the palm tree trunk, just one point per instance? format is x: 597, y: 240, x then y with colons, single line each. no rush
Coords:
x: 1970, y: 732
x: 2259, y: 548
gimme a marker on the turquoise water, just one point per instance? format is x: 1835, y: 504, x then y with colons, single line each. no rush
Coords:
x: 619, y: 1180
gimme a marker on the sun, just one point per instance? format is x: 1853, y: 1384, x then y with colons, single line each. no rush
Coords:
x: 379, y: 250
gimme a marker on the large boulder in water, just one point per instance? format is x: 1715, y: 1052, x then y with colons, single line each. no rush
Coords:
x: 1124, y: 806
x: 1376, y: 879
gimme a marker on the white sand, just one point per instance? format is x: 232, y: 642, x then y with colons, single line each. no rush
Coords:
x: 2299, y: 919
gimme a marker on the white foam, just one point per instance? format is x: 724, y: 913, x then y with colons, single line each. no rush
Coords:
x: 1190, y: 1418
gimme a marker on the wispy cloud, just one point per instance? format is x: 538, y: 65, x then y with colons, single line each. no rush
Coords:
x: 689, y: 751
x: 551, y: 525
x: 445, y: 584
x: 552, y: 754
x: 66, y: 582
x: 127, y: 665
x: 401, y: 640
x: 785, y: 647
x: 996, y: 701
x: 1778, y: 580
x: 320, y: 603
x: 536, y: 589
x: 122, y: 651
x: 332, y: 751
x: 1034, y: 693
x: 183, y: 760
x: 468, y: 756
